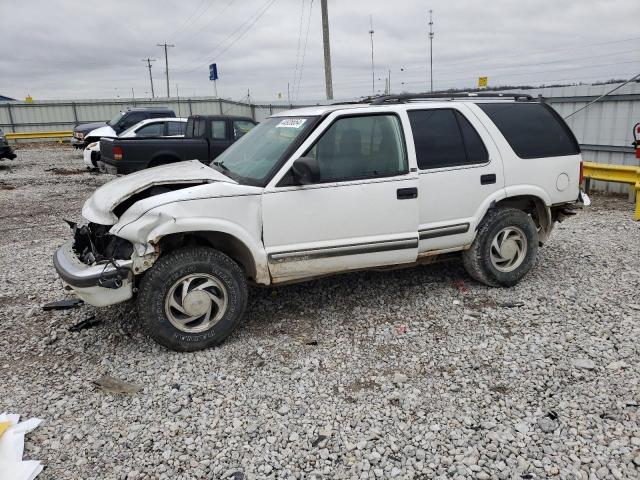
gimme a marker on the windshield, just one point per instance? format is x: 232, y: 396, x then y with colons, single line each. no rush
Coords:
x: 259, y: 151
x: 115, y: 119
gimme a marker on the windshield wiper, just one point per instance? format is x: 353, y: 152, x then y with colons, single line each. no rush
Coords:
x: 220, y: 164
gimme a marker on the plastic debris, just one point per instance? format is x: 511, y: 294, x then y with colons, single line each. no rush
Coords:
x: 85, y: 324
x: 401, y: 329
x: 12, y: 448
x: 65, y: 304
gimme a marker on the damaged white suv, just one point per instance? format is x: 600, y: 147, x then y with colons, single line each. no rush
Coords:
x: 392, y: 181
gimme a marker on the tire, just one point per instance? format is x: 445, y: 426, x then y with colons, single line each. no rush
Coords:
x: 516, y: 233
x: 166, y: 299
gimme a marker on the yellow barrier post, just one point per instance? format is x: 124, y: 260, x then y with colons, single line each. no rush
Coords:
x: 615, y: 173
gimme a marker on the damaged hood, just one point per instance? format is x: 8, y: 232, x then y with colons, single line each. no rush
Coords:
x: 104, y: 131
x: 99, y: 207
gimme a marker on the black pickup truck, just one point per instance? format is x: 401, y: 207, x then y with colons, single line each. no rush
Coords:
x: 206, y: 137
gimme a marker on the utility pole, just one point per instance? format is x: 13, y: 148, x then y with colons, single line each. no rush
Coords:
x: 373, y: 75
x: 149, y: 60
x: 431, y: 47
x: 327, y: 50
x: 166, y: 64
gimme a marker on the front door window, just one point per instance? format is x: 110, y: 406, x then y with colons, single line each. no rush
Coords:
x: 361, y: 147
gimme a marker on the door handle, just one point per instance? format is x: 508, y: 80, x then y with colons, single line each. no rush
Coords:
x: 488, y: 179
x: 407, y: 193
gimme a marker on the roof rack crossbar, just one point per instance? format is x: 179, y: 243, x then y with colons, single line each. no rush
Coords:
x: 403, y: 97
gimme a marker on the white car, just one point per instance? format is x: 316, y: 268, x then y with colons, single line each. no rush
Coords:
x: 393, y: 181
x: 152, y: 127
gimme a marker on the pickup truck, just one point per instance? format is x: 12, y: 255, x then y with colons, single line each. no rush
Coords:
x: 392, y: 181
x: 152, y: 127
x: 86, y: 133
x: 205, y: 138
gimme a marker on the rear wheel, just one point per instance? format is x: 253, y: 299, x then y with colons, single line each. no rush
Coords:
x: 156, y: 162
x: 192, y: 299
x: 505, y: 248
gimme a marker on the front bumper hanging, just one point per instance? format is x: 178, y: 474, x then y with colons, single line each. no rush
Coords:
x: 99, y: 285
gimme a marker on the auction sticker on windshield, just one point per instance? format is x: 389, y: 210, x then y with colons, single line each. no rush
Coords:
x: 291, y: 123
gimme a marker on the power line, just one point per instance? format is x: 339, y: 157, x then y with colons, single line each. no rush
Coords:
x: 186, y: 23
x: 304, y: 50
x: 535, y: 64
x: 242, y: 34
x: 224, y: 9
x: 540, y: 52
x: 295, y: 69
x: 251, y: 22
x: 551, y: 71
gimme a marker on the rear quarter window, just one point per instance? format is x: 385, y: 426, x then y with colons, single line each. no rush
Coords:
x: 533, y: 130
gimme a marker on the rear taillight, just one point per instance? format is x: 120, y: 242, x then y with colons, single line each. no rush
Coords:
x: 581, y: 171
x: 117, y: 155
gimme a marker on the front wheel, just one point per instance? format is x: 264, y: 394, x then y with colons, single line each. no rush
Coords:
x: 193, y: 298
x: 505, y: 248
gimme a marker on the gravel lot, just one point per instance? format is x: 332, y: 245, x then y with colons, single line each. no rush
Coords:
x: 419, y: 373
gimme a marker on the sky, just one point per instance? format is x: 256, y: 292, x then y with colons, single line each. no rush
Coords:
x: 273, y: 48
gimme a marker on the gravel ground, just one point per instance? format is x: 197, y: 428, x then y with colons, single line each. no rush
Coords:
x: 417, y: 373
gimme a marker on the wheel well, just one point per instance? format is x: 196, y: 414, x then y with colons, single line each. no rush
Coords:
x: 162, y: 160
x: 535, y: 207
x: 223, y: 242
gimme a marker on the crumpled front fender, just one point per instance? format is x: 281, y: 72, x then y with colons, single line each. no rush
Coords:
x: 237, y: 216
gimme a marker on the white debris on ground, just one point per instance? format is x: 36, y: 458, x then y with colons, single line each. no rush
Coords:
x: 12, y: 432
x: 410, y: 374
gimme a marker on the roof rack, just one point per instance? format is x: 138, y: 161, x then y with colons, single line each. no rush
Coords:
x: 406, y: 97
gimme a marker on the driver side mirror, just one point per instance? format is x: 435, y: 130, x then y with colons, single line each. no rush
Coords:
x: 306, y: 170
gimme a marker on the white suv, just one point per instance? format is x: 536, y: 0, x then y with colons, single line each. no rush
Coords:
x: 392, y: 181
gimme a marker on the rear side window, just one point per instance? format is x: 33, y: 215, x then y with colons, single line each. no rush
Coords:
x: 176, y: 128
x: 533, y: 130
x: 445, y: 138
x: 219, y: 129
x: 152, y: 130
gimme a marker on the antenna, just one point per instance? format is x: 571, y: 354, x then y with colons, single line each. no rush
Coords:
x: 431, y: 47
x: 373, y: 75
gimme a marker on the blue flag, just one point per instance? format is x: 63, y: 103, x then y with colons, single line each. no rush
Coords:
x: 213, y: 72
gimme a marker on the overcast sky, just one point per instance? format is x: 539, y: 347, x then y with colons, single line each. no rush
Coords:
x: 94, y: 49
